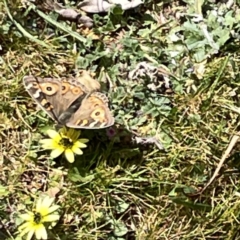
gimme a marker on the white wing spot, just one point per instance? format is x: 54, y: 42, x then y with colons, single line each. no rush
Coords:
x: 37, y: 93
x: 103, y: 125
x: 29, y: 86
x: 93, y: 124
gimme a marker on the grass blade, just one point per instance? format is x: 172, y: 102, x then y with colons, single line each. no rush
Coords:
x: 60, y: 26
x: 23, y: 31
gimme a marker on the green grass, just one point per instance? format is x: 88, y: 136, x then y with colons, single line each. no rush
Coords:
x: 120, y: 189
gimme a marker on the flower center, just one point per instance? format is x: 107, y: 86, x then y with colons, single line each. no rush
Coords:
x: 37, y: 217
x: 66, y: 142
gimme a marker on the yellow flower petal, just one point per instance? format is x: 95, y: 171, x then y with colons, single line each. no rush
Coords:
x: 41, y: 232
x: 69, y: 155
x: 63, y: 131
x: 38, y: 204
x: 30, y: 234
x: 74, y: 134
x: 53, y: 208
x: 57, y: 152
x: 24, y: 228
x: 27, y: 216
x: 54, y: 135
x: 48, y: 143
x: 51, y: 218
x: 47, y: 201
x: 43, y: 205
x: 83, y: 140
x: 77, y: 150
x: 80, y: 144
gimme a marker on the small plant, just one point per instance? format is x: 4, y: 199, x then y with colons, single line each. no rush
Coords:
x: 65, y: 141
x: 35, y: 220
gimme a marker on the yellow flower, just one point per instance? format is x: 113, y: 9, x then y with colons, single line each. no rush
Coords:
x: 66, y: 141
x: 34, y: 220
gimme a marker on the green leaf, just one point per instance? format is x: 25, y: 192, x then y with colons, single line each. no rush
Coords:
x: 200, y: 55
x: 23, y: 31
x: 121, y: 207
x: 193, y: 205
x: 3, y: 191
x: 229, y: 20
x: 120, y: 229
x: 76, y: 177
x: 61, y: 26
x: 117, y: 10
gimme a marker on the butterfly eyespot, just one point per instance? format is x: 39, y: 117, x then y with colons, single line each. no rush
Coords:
x: 65, y: 87
x: 77, y: 91
x: 96, y: 101
x: 98, y: 115
x: 49, y: 88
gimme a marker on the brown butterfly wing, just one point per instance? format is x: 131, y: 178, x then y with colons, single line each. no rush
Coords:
x: 52, y: 95
x: 93, y: 113
x: 89, y: 83
x: 71, y: 91
x: 70, y: 101
x: 46, y: 92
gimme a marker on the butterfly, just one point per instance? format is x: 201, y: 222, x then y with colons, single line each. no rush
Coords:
x: 73, y: 101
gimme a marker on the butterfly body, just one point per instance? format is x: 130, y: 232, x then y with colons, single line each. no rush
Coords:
x: 73, y: 102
